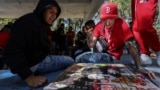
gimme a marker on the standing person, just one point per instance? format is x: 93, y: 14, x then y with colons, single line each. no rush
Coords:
x: 27, y: 53
x: 143, y: 14
x: 61, y: 39
x: 70, y: 34
x: 4, y: 38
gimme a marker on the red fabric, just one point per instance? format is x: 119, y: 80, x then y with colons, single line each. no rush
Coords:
x: 143, y: 14
x: 4, y: 37
x: 119, y: 34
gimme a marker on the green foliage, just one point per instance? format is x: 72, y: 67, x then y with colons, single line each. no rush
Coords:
x: 76, y: 23
x: 4, y: 21
x: 157, y: 27
x: 124, y: 7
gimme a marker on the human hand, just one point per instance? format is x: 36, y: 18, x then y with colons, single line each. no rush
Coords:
x: 36, y: 81
x: 150, y: 74
x: 88, y: 30
x: 147, y: 73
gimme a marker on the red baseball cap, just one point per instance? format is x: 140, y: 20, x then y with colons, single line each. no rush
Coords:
x: 108, y: 10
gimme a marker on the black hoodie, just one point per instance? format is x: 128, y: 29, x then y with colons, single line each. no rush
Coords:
x: 42, y: 4
x: 28, y: 44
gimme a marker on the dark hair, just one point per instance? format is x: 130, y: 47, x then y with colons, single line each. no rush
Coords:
x: 43, y: 4
x: 80, y: 33
x: 70, y: 27
x: 62, y: 24
x: 89, y: 23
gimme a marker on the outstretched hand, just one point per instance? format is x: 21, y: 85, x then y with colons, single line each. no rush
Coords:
x: 36, y: 81
x: 150, y: 74
x: 147, y: 73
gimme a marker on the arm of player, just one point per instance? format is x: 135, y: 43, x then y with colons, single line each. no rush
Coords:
x: 91, y: 41
x: 147, y: 73
x: 134, y: 53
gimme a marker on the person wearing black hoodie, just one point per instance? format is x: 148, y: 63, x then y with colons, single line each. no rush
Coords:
x: 27, y: 52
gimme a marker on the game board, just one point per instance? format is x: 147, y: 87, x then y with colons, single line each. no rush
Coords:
x: 83, y: 76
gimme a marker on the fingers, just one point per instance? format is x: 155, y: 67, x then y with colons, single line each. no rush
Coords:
x: 36, y: 81
x: 149, y: 75
x: 152, y: 75
x: 40, y: 81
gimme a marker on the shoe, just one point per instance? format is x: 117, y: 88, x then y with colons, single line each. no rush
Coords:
x: 145, y: 59
x: 158, y: 57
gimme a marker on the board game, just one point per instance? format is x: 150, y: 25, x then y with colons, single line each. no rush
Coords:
x: 82, y: 76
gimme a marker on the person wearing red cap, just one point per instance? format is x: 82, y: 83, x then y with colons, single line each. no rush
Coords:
x: 143, y: 14
x: 116, y: 32
x: 113, y: 29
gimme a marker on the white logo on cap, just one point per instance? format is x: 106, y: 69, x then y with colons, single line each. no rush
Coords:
x: 108, y: 9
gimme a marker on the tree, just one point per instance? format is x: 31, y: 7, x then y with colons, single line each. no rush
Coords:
x: 124, y: 8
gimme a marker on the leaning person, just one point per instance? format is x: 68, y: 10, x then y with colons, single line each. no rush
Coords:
x: 27, y: 53
x: 116, y: 33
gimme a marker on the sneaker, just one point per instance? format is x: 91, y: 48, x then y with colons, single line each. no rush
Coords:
x: 158, y: 57
x: 145, y: 59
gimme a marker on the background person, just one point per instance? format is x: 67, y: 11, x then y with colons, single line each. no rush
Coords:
x: 93, y: 54
x: 61, y: 39
x: 70, y: 34
x: 4, y: 38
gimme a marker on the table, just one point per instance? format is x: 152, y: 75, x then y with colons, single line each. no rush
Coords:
x: 89, y: 76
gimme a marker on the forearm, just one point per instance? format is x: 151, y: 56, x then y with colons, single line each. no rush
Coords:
x: 92, y: 42
x: 134, y: 53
